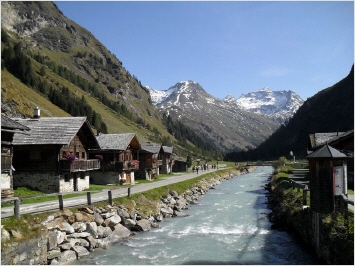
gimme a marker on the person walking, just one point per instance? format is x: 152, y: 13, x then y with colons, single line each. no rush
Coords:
x: 196, y: 170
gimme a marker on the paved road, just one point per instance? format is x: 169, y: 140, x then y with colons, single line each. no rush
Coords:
x: 98, y: 197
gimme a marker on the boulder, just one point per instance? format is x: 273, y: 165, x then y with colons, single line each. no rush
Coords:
x: 103, y: 231
x: 80, y: 251
x: 129, y: 223
x: 113, y: 220
x: 66, y: 227
x: 119, y: 233
x: 142, y: 225
x: 67, y: 257
x: 86, y: 210
x: 52, y: 240
x: 92, y: 241
x: 173, y: 193
x: 66, y: 213
x: 54, y: 253
x: 107, y: 214
x: 78, y: 217
x: 98, y: 218
x: 123, y: 214
x: 79, y: 235
x: 92, y: 229
x: 79, y: 226
x: 5, y: 235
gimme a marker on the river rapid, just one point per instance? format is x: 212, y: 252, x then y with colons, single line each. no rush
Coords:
x: 229, y: 225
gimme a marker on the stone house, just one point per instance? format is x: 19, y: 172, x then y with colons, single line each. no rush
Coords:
x: 53, y: 157
x: 119, y: 155
x: 8, y: 129
x: 149, y: 160
x: 167, y: 160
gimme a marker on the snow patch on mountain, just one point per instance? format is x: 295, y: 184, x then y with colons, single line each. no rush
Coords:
x: 280, y: 105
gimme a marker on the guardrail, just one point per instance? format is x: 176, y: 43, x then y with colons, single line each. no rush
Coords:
x: 17, y: 202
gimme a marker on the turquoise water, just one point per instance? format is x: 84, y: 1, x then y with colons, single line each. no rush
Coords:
x: 227, y: 226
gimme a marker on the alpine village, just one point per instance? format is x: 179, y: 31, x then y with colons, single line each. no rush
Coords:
x: 76, y: 124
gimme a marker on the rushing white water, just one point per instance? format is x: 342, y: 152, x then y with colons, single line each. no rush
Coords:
x: 227, y: 226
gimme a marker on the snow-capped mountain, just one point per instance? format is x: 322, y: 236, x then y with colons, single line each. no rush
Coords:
x: 279, y: 105
x: 220, y: 122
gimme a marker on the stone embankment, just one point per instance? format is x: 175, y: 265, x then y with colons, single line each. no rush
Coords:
x: 69, y: 236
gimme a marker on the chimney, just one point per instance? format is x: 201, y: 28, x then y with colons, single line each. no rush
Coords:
x: 36, y: 112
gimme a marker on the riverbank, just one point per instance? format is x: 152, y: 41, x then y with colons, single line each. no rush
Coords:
x: 70, y: 235
x: 335, y: 243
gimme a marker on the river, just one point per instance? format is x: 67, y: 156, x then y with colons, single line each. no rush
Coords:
x: 228, y: 225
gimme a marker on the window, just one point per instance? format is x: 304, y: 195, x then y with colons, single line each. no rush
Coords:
x: 83, y: 155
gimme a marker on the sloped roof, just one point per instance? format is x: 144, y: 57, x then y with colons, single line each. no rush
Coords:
x: 55, y: 130
x: 151, y: 147
x: 168, y: 149
x: 117, y: 141
x: 326, y: 152
x: 318, y: 139
x: 8, y: 123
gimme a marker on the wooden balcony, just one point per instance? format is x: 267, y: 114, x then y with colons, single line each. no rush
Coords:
x: 79, y: 165
x: 121, y: 166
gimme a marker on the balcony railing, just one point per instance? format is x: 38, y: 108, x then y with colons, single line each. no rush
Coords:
x: 121, y: 166
x: 79, y: 165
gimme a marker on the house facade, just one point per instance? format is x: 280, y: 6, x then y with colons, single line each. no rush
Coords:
x: 167, y: 160
x: 54, y: 156
x: 149, y: 160
x: 8, y: 129
x: 119, y: 155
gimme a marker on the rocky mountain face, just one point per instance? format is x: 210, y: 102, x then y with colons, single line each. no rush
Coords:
x: 221, y: 122
x: 44, y: 30
x: 280, y: 105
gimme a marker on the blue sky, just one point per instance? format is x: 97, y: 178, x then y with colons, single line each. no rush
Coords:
x: 228, y: 47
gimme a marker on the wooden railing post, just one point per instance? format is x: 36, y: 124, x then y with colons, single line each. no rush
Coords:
x: 17, y: 208
x: 110, y: 197
x: 61, y: 204
x: 88, y: 196
x: 129, y: 192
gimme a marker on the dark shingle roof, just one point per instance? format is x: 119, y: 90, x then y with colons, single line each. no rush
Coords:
x: 54, y: 130
x: 326, y: 152
x: 115, y: 141
x: 168, y: 149
x: 151, y: 147
x: 8, y: 123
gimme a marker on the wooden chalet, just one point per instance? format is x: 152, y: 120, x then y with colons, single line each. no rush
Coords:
x: 149, y: 159
x: 180, y: 164
x: 54, y: 156
x: 342, y: 141
x: 167, y: 160
x: 8, y: 129
x: 119, y: 155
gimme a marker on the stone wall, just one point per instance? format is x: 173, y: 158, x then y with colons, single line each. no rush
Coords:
x: 48, y: 183
x: 104, y: 177
x: 32, y: 252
